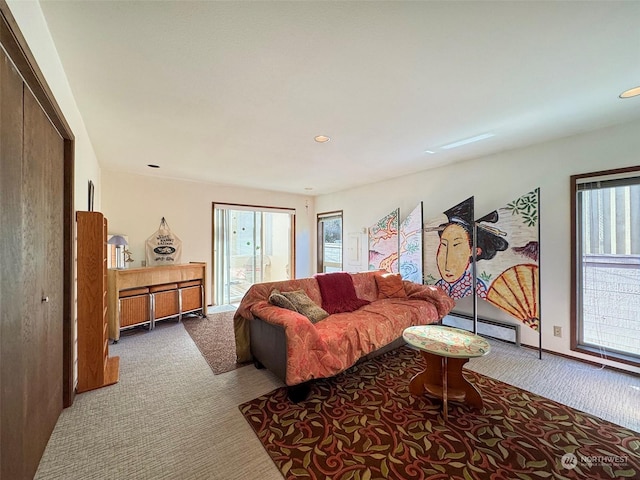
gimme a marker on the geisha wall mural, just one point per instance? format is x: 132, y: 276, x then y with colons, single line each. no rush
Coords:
x: 512, y: 278
x: 411, y: 246
x: 506, y: 252
x: 449, y: 250
x: 447, y: 243
x: 384, y: 243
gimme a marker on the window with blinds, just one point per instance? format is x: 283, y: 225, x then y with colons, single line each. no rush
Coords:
x: 606, y: 263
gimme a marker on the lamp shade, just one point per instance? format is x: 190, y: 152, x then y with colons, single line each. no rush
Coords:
x: 117, y: 240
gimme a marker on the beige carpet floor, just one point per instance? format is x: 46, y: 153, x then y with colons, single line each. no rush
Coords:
x: 170, y: 417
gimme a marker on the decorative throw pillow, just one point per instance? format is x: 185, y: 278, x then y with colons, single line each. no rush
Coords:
x: 279, y: 300
x: 390, y: 286
x: 306, y: 306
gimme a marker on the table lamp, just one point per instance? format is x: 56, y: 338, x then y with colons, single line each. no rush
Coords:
x: 120, y: 242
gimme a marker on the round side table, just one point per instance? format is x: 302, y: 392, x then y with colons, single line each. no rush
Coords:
x: 445, y: 350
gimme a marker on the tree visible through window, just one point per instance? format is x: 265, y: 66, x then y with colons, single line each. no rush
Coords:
x: 330, y: 242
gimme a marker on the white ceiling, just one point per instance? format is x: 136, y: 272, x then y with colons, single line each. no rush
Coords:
x: 234, y: 92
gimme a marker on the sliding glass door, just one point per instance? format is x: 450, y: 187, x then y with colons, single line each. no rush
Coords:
x: 251, y: 245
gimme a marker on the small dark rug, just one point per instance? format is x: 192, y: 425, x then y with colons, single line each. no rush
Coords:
x: 214, y: 337
x: 364, y: 424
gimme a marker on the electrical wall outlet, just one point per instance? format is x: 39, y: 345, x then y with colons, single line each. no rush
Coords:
x: 557, y: 331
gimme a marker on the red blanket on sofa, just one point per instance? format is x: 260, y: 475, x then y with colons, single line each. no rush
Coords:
x: 338, y: 293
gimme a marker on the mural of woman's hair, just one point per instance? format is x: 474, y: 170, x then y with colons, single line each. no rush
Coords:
x: 489, y: 240
x: 461, y: 214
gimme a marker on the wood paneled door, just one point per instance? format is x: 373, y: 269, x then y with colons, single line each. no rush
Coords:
x: 35, y: 277
x: 11, y: 277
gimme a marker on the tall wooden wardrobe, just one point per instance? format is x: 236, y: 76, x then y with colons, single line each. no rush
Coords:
x: 36, y: 204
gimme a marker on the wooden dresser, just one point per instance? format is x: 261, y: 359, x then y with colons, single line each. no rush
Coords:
x: 138, y: 296
x: 95, y: 368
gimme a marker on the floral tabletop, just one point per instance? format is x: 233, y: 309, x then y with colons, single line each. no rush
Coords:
x: 446, y: 341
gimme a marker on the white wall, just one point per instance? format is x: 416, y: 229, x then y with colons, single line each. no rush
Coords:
x: 494, y: 181
x: 32, y: 24
x: 135, y: 204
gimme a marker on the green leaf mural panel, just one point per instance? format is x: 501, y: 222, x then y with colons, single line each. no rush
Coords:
x: 512, y: 275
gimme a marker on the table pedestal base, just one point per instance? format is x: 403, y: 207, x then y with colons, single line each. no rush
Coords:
x: 442, y: 378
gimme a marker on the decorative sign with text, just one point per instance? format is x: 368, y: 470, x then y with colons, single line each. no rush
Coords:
x: 163, y: 247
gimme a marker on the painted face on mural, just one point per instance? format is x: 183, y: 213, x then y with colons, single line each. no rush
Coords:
x: 454, y: 253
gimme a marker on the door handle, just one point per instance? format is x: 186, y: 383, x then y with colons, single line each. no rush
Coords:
x: 45, y: 299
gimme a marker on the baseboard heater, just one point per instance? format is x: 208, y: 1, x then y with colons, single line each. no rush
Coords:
x: 509, y: 332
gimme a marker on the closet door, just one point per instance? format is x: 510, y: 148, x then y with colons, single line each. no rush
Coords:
x: 32, y: 277
x: 43, y: 277
x: 12, y: 309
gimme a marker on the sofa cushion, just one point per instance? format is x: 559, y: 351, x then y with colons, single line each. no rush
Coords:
x: 365, y: 284
x: 390, y: 286
x: 338, y: 293
x: 305, y: 306
x: 279, y: 300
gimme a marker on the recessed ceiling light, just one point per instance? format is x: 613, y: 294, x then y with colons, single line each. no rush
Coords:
x: 466, y: 141
x: 151, y: 165
x: 321, y: 139
x: 430, y: 152
x: 632, y: 92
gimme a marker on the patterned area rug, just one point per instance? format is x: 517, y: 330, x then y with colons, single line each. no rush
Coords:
x: 364, y: 424
x: 214, y: 337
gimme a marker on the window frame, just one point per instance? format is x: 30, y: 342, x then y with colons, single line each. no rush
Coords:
x: 576, y: 264
x: 320, y: 240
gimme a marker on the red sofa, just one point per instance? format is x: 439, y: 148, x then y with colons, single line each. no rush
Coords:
x: 296, y: 350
